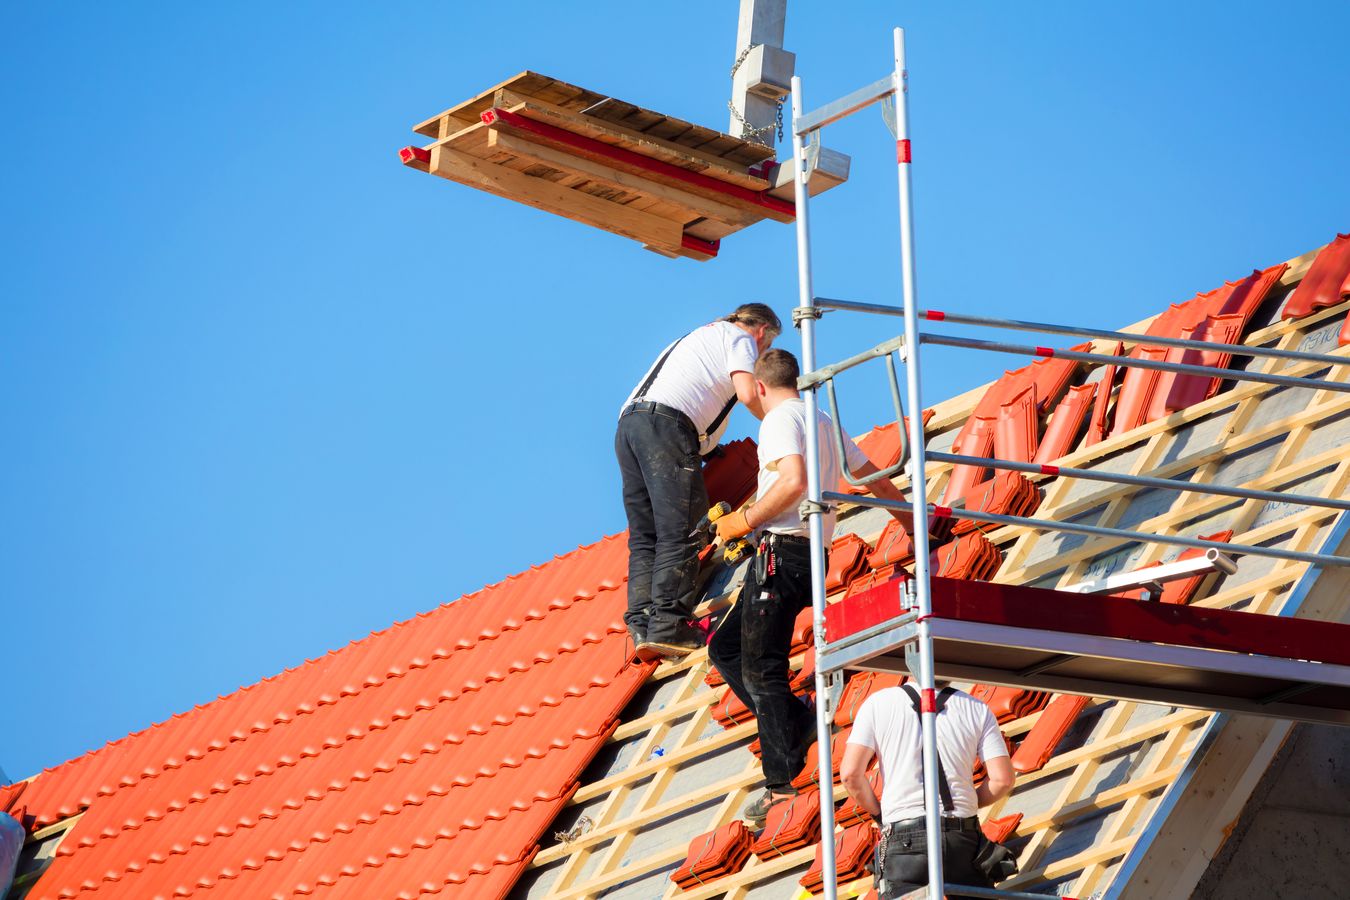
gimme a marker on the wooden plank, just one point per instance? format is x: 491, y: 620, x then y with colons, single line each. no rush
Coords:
x: 693, y: 205
x: 636, y: 141
x: 562, y: 201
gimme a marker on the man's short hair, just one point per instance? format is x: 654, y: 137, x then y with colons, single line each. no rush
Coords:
x: 756, y: 314
x: 777, y: 368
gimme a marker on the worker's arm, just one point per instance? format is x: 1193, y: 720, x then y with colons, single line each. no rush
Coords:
x: 999, y: 781
x: 853, y: 774
x: 785, y: 493
x: 883, y: 488
x: 747, y: 394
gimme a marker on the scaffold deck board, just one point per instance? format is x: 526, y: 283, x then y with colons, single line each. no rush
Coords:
x: 676, y: 187
x: 1103, y: 646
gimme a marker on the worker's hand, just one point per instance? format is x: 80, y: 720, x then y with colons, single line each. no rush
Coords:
x: 732, y: 526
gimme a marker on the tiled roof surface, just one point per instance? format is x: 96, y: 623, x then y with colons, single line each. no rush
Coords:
x: 430, y: 758
x: 423, y: 759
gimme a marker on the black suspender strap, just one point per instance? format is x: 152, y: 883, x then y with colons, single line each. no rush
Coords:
x: 944, y: 790
x: 641, y: 392
x: 656, y: 370
x: 721, y: 417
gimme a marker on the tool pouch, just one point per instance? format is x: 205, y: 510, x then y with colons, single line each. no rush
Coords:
x: 761, y: 563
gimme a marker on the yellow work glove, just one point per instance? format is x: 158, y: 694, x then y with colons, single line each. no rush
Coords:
x: 732, y: 526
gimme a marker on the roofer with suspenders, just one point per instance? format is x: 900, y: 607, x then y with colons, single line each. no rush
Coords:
x: 888, y: 726
x: 752, y: 644
x: 675, y: 416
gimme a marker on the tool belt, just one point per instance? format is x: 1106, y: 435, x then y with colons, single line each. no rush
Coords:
x: 949, y: 823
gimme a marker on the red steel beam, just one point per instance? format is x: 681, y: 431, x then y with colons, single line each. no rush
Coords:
x: 637, y: 160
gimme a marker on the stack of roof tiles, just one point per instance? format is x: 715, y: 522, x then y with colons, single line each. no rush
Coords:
x: 790, y: 826
x: 714, y: 855
x: 1326, y: 284
x: 971, y: 556
x: 1009, y: 704
x: 848, y: 560
x: 1007, y: 494
x: 853, y: 848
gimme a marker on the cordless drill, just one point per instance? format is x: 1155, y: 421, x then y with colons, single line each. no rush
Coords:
x: 733, y: 551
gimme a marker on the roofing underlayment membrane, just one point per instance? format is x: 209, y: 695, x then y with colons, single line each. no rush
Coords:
x: 505, y: 744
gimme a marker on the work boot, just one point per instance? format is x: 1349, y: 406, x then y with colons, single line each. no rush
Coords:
x: 650, y: 651
x: 757, y: 811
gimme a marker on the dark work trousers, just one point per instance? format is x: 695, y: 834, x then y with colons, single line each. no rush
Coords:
x: 750, y: 650
x: 905, y: 864
x: 664, y: 497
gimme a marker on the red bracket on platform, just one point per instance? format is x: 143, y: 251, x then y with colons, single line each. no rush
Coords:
x: 414, y: 154
x: 698, y: 245
x: 637, y: 160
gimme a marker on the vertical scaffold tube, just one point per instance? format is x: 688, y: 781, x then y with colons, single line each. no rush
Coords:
x: 815, y: 522
x: 918, y: 483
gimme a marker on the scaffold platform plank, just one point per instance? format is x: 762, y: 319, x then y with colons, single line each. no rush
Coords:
x: 1238, y: 662
x: 676, y: 187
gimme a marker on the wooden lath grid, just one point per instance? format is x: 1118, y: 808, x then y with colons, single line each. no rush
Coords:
x: 1157, y: 741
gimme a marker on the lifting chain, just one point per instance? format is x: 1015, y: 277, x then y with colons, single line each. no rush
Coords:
x: 748, y: 132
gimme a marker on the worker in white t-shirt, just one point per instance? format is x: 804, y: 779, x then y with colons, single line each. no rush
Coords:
x: 672, y: 419
x: 887, y: 726
x: 751, y: 645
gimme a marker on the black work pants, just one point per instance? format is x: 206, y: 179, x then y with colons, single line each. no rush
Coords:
x: 750, y: 650
x: 664, y: 498
x: 904, y: 865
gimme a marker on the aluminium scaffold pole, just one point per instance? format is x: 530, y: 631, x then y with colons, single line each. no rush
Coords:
x: 815, y: 520
x: 892, y: 86
x: 918, y: 484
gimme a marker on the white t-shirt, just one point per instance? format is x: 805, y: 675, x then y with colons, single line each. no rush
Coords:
x: 888, y: 725
x: 696, y: 377
x: 783, y: 433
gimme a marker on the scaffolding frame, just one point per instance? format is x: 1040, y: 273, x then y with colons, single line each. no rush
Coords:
x: 892, y: 92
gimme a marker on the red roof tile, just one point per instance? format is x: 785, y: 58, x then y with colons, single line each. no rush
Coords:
x: 424, y: 758
x: 1327, y: 282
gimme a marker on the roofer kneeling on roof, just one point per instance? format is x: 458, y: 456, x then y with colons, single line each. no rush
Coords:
x: 751, y: 645
x: 887, y: 726
x: 676, y: 415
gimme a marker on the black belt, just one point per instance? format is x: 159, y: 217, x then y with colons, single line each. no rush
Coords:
x: 660, y: 409
x: 791, y: 540
x: 949, y: 823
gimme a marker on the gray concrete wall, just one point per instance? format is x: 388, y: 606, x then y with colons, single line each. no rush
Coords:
x: 1293, y: 837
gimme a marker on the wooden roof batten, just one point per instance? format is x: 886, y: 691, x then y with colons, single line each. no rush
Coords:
x: 675, y: 187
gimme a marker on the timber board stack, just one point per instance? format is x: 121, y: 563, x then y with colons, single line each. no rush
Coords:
x: 676, y: 187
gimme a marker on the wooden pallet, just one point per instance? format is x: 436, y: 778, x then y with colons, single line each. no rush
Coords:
x: 675, y: 187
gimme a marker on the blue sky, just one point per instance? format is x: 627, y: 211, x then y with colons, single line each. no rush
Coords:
x: 263, y: 390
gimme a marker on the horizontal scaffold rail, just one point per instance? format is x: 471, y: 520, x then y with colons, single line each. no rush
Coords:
x: 846, y: 105
x: 1138, y: 363
x: 1319, y: 559
x: 1126, y: 337
x: 1147, y: 481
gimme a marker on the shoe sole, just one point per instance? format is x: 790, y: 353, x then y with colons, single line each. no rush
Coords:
x: 651, y: 651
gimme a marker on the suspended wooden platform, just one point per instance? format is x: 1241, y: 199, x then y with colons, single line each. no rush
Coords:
x: 676, y: 187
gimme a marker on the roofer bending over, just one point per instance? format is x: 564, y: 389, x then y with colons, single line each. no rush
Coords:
x: 887, y: 726
x: 751, y: 645
x: 677, y: 414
